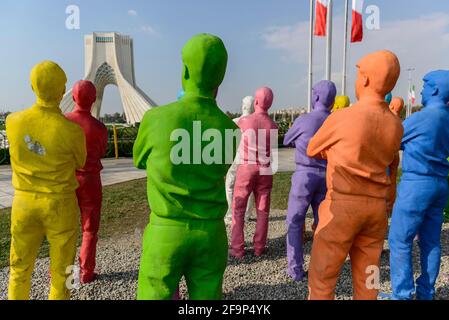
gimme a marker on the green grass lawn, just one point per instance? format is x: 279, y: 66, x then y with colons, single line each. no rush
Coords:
x: 281, y: 189
x: 125, y: 208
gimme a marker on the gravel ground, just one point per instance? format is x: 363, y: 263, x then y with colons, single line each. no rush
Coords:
x: 251, y: 278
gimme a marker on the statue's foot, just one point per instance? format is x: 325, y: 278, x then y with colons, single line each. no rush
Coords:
x: 384, y: 296
x: 297, y: 276
x: 88, y: 278
x: 176, y: 295
x: 238, y: 254
x: 259, y: 252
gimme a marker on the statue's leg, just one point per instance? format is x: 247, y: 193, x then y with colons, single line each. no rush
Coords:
x: 27, y: 235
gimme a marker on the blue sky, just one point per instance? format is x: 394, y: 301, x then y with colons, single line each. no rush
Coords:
x: 266, y: 41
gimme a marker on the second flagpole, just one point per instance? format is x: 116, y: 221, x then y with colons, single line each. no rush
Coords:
x: 309, y: 92
x: 329, y: 41
x: 345, y: 50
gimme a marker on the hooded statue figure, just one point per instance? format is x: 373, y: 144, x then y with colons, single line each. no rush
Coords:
x: 46, y: 149
x: 341, y: 102
x: 309, y: 180
x: 254, y: 174
x: 90, y: 191
x: 186, y: 235
x: 247, y: 109
x: 359, y: 143
x: 422, y: 192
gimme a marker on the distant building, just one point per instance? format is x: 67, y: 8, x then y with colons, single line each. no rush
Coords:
x: 288, y: 114
x: 109, y: 59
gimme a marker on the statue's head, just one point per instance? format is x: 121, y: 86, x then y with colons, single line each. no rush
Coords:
x: 436, y: 87
x: 84, y: 94
x: 324, y: 93
x: 396, y: 105
x: 247, y: 105
x: 205, y: 59
x: 263, y: 100
x: 48, y: 82
x: 341, y: 102
x: 377, y: 74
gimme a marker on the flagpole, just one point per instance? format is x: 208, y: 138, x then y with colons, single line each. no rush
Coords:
x: 309, y: 90
x: 329, y: 41
x: 409, y: 95
x: 345, y: 49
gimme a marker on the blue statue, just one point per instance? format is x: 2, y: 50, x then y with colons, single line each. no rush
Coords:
x: 388, y: 98
x: 422, y: 192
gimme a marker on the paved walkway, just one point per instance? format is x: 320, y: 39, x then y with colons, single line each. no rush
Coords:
x: 117, y: 171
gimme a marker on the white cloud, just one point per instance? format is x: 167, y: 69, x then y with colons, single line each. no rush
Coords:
x: 145, y: 28
x: 421, y: 42
x: 148, y: 30
x: 291, y: 40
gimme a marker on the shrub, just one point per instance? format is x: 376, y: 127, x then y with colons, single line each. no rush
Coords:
x: 125, y: 141
x: 4, y: 156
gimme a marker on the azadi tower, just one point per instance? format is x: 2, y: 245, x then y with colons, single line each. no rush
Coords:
x: 109, y: 59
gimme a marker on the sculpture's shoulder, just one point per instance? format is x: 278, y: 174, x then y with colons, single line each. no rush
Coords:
x: 97, y: 123
x: 170, y: 110
x: 14, y: 117
x: 273, y: 123
x: 245, y: 121
x: 68, y: 126
x: 228, y: 122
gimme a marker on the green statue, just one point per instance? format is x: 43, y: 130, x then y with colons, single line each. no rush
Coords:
x: 183, y: 148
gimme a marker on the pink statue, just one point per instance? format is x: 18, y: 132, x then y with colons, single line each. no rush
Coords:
x: 254, y: 174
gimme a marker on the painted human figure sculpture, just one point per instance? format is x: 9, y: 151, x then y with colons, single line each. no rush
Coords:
x: 186, y: 235
x: 396, y: 106
x: 309, y: 180
x: 422, y: 192
x: 247, y: 109
x: 359, y: 143
x: 341, y: 102
x: 388, y: 98
x: 90, y: 191
x: 446, y: 210
x: 254, y: 174
x: 46, y: 149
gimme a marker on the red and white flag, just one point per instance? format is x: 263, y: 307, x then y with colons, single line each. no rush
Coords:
x: 321, y: 17
x: 357, y: 21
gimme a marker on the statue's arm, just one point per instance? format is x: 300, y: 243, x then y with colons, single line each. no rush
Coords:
x: 142, y: 145
x: 79, y: 149
x: 325, y: 137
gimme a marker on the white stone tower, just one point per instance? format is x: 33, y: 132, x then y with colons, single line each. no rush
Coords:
x: 109, y: 59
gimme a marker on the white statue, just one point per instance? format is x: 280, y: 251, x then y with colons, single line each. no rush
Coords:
x: 247, y: 109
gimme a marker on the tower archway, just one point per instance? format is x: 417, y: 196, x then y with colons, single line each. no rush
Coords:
x: 109, y: 60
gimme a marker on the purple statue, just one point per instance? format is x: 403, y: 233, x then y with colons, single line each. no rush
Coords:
x: 309, y: 180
